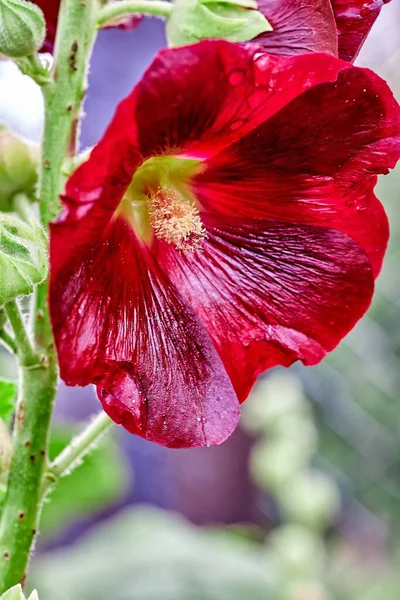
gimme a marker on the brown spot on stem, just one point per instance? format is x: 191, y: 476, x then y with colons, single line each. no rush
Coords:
x: 20, y: 417
x: 72, y: 59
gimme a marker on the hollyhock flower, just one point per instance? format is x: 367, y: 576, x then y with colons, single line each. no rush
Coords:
x: 226, y: 223
x: 50, y: 9
x: 338, y: 27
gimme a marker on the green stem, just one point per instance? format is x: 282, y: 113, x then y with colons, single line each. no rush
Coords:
x: 73, y: 454
x: 117, y: 10
x: 63, y: 98
x: 26, y: 353
x: 8, y: 341
x: 31, y: 66
x: 20, y: 514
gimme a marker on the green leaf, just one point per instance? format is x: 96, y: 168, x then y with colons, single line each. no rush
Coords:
x: 16, y: 593
x: 23, y: 257
x: 95, y: 484
x: 150, y: 555
x: 194, y: 20
x: 8, y: 394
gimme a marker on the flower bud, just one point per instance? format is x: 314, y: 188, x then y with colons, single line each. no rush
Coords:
x: 22, y: 28
x: 233, y: 20
x: 23, y: 257
x: 18, y: 168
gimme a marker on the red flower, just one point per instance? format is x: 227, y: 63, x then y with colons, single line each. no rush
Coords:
x: 301, y: 26
x: 225, y: 223
x: 50, y: 9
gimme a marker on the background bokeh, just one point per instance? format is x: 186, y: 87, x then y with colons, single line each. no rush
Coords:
x: 302, y: 503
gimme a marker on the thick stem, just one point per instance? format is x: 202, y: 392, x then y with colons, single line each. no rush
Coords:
x: 80, y: 446
x: 20, y: 515
x: 63, y: 100
x: 63, y: 97
x: 112, y: 12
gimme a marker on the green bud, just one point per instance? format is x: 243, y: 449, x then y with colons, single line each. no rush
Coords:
x: 233, y: 20
x: 22, y: 28
x: 18, y: 168
x: 16, y: 593
x: 311, y: 499
x: 23, y: 257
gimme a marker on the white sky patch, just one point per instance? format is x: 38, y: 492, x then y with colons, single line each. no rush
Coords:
x: 21, y: 102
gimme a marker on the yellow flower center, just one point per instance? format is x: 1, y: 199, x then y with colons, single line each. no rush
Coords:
x: 160, y: 202
x: 176, y: 221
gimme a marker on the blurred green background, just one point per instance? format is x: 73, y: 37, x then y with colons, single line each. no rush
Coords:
x: 302, y: 504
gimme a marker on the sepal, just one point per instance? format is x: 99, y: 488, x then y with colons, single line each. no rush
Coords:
x: 233, y: 20
x: 23, y: 257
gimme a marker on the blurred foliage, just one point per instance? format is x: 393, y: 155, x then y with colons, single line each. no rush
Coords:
x: 149, y: 555
x: 98, y: 482
x: 8, y: 393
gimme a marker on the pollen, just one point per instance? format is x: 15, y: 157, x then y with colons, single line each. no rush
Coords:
x: 176, y: 220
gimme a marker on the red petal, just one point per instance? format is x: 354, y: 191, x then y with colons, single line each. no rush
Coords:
x: 197, y: 99
x: 50, y: 9
x: 271, y: 293
x: 120, y: 324
x: 299, y: 26
x: 354, y: 20
x: 315, y: 162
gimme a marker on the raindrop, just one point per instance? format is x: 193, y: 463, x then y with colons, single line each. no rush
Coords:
x: 236, y: 77
x: 236, y: 124
x: 360, y: 204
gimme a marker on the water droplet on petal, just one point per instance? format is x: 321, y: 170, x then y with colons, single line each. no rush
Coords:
x: 236, y: 77
x: 236, y: 124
